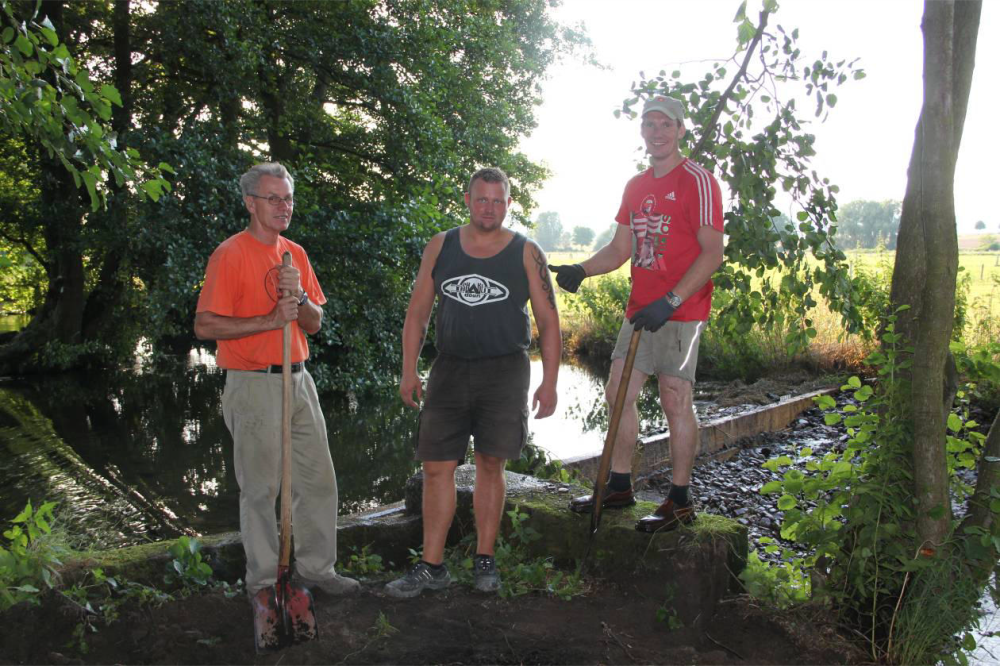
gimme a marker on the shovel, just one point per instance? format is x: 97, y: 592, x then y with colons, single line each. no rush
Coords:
x: 600, y: 483
x: 283, y: 614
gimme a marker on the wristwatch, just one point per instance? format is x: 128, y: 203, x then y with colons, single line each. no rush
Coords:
x: 674, y: 300
x: 304, y: 299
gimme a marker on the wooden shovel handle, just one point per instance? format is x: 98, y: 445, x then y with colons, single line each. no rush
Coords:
x: 284, y: 553
x: 609, y: 442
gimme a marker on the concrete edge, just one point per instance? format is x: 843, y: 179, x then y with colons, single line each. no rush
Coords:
x: 653, y: 453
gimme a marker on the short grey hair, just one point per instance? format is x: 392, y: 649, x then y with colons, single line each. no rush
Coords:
x: 491, y: 175
x: 251, y: 179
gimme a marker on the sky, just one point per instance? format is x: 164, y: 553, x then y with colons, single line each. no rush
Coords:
x: 863, y: 147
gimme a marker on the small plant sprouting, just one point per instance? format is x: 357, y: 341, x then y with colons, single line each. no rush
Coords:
x: 187, y: 568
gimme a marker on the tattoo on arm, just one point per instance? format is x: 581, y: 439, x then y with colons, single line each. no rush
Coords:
x: 543, y: 273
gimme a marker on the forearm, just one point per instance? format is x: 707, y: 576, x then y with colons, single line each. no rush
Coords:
x: 550, y: 343
x: 310, y: 317
x: 605, y: 260
x: 414, y: 333
x: 698, y: 274
x: 210, y: 326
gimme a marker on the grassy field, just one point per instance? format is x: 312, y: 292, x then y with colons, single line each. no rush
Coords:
x: 979, y: 276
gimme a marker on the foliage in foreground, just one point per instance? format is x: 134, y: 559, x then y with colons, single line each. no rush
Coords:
x: 854, y: 513
x: 29, y: 562
x: 520, y: 573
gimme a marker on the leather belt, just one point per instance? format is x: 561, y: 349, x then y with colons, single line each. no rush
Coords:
x: 296, y: 367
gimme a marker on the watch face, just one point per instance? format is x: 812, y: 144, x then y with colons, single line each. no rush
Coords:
x: 674, y: 300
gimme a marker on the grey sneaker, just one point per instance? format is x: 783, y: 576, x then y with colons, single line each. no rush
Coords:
x: 485, y: 575
x: 421, y: 577
x: 338, y: 586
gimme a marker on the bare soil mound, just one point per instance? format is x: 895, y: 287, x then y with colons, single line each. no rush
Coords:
x: 458, y: 626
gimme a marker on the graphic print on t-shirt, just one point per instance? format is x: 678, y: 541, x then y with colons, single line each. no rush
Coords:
x: 649, y: 237
x: 473, y: 290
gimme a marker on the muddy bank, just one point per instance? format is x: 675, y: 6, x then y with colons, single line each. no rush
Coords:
x: 609, y: 625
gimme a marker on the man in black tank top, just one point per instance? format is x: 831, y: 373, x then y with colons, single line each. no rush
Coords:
x: 482, y: 276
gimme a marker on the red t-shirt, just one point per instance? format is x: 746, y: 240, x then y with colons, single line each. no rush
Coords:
x: 241, y: 281
x: 664, y: 215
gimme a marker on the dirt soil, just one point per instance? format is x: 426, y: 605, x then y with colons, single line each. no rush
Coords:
x: 609, y: 625
x: 458, y: 626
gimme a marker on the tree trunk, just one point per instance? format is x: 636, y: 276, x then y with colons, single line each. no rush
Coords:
x: 927, y: 251
x: 109, y: 291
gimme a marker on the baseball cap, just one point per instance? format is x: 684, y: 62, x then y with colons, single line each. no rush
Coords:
x: 670, y: 106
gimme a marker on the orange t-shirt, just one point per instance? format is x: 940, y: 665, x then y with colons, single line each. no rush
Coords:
x: 241, y: 281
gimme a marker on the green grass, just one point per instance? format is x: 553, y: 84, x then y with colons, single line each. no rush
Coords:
x: 979, y: 274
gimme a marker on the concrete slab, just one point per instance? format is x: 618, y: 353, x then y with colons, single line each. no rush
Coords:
x: 714, y: 437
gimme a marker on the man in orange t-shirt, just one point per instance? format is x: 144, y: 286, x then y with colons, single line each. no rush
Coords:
x: 241, y: 306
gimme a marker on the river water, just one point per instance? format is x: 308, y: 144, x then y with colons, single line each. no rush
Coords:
x: 143, y: 454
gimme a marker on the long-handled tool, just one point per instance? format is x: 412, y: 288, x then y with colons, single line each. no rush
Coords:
x: 283, y: 614
x: 604, y: 468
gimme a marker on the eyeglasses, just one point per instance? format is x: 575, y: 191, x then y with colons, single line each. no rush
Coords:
x: 275, y: 200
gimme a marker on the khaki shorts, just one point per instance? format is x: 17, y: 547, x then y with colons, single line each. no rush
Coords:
x: 672, y: 350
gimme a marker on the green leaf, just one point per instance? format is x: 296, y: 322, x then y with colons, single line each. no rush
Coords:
x: 24, y: 45
x: 90, y: 180
x: 770, y: 487
x: 786, y: 502
x: 111, y: 93
x: 746, y: 32
x: 741, y: 12
x: 854, y: 382
x: 954, y: 423
x: 831, y: 99
x: 50, y: 35
x: 7, y: 35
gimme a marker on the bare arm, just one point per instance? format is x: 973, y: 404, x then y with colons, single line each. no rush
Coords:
x: 212, y: 326
x: 415, y: 327
x: 710, y: 240
x: 543, y: 307
x: 611, y: 256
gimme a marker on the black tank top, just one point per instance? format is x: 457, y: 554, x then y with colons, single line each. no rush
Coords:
x: 482, y: 303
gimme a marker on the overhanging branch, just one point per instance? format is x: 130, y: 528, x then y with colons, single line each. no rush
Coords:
x: 713, y: 121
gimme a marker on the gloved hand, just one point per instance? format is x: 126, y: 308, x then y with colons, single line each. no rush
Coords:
x: 569, y: 277
x: 653, y: 316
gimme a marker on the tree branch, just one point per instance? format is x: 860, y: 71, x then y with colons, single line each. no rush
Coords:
x: 713, y: 121
x: 23, y: 242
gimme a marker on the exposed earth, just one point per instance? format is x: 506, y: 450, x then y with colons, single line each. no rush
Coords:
x: 609, y: 624
x: 458, y: 626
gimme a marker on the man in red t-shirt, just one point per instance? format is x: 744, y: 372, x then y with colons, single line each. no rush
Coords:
x: 670, y: 225
x: 243, y: 308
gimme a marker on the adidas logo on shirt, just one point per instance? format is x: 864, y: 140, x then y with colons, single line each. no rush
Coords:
x: 670, y: 196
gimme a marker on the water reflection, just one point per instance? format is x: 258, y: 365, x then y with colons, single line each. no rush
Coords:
x: 137, y: 456
x: 11, y: 323
x: 145, y: 454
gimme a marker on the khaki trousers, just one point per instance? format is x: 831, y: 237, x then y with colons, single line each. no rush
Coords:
x: 251, y: 406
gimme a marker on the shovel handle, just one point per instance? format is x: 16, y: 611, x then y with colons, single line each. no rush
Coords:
x: 285, y: 550
x: 609, y: 442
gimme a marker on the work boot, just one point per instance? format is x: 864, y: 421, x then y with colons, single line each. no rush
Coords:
x: 666, y: 517
x: 336, y: 585
x: 421, y: 577
x: 612, y: 500
x: 485, y: 574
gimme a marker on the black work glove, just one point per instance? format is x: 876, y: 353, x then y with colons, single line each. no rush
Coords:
x: 653, y: 316
x: 569, y: 277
